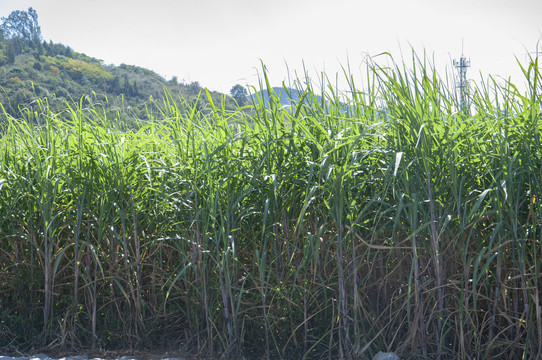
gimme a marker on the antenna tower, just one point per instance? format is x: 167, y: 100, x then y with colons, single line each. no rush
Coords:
x: 461, y: 65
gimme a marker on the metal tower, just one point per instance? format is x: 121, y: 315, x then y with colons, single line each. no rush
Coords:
x: 461, y: 65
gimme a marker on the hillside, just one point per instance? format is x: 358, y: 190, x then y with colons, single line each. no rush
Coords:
x: 33, y: 69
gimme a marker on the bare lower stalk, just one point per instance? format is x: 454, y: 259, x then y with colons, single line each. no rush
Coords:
x: 139, y: 301
x: 225, y: 301
x: 343, y: 305
x: 48, y: 286
x: 76, y: 262
x: 438, y: 264
x: 495, y: 295
x: 419, y: 313
x: 94, y: 304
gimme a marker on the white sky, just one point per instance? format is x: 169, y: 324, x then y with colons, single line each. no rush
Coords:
x: 220, y: 42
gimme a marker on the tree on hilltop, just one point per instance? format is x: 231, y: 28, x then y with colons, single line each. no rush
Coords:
x: 239, y: 93
x: 21, y: 24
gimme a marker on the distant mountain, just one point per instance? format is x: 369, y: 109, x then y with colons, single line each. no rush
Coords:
x: 291, y: 97
x: 287, y: 96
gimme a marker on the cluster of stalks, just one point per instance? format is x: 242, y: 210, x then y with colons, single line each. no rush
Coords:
x: 336, y: 227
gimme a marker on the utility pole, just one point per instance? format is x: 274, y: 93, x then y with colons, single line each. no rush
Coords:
x: 461, y: 65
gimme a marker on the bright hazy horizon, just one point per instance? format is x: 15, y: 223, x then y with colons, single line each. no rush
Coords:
x: 221, y: 43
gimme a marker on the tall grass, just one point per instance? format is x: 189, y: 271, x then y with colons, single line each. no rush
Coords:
x: 336, y: 227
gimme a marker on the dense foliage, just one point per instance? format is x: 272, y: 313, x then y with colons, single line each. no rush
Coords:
x: 383, y: 220
x: 32, y: 69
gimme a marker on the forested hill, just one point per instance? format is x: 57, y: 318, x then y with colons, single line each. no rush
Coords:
x: 31, y: 69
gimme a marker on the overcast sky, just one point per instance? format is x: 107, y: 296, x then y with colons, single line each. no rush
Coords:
x: 220, y: 42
